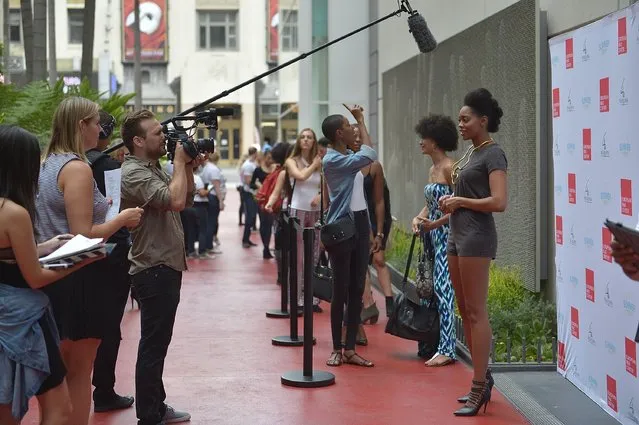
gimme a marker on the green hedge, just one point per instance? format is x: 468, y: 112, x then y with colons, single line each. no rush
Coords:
x: 515, y: 313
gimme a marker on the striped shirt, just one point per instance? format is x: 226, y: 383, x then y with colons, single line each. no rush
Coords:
x: 52, y: 213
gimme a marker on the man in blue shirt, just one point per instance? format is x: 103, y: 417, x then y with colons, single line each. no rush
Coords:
x: 349, y: 258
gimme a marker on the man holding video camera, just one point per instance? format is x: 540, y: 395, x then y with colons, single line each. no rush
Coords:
x: 157, y: 255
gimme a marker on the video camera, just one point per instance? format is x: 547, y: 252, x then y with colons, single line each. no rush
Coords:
x: 177, y: 133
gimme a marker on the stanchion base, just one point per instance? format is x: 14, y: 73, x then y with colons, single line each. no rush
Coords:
x: 277, y: 314
x: 287, y: 341
x: 297, y: 379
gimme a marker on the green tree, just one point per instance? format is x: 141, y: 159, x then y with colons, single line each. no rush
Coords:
x: 32, y: 107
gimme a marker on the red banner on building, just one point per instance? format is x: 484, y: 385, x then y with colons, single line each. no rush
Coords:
x: 273, y: 30
x: 153, y: 30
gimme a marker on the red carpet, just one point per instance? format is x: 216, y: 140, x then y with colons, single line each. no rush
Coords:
x: 223, y: 369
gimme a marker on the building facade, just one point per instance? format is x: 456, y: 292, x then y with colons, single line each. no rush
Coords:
x: 191, y: 51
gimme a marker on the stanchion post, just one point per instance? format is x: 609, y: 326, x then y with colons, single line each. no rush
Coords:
x: 307, y: 378
x: 293, y: 339
x: 283, y: 311
x: 292, y: 276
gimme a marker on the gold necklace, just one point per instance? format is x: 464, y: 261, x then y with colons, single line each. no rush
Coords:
x: 457, y: 168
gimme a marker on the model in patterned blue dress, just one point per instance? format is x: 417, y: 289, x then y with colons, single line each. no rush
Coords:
x: 441, y: 275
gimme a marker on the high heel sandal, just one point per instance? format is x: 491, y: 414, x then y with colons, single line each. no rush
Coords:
x: 479, y: 396
x: 489, y: 380
x: 370, y: 314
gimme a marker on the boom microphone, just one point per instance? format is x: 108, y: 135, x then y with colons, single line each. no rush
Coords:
x: 418, y: 27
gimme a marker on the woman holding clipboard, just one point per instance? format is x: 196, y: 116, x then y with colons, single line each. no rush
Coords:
x: 30, y: 360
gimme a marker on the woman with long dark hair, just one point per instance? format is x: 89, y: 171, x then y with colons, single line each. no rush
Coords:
x: 30, y: 360
x: 480, y: 189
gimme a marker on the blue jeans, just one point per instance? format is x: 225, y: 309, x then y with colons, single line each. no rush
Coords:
x: 250, y: 214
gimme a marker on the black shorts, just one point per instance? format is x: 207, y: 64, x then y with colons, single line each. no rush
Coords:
x: 57, y: 370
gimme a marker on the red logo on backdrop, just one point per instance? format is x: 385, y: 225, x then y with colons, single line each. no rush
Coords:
x: 631, y: 357
x: 570, y: 55
x: 561, y: 359
x: 587, y: 137
x: 590, y: 285
x: 574, y: 322
x: 572, y: 188
x: 606, y: 240
x: 626, y: 197
x: 622, y: 42
x: 559, y: 230
x: 604, y: 95
x: 555, y: 103
x: 612, y: 392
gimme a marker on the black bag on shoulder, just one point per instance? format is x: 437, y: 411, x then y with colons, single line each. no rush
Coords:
x: 322, y: 274
x: 412, y: 319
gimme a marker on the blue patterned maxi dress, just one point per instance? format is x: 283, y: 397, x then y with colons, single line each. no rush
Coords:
x: 441, y: 275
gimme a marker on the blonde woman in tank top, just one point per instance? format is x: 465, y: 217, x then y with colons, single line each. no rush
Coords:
x: 69, y: 201
x: 303, y: 170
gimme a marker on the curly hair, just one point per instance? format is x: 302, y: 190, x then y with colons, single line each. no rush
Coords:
x: 441, y: 129
x: 482, y: 102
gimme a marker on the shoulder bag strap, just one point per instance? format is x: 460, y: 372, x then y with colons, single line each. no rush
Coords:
x: 409, y: 260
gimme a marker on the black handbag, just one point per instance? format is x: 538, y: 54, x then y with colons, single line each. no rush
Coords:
x: 323, y: 280
x: 412, y: 319
x: 322, y: 274
x: 338, y: 231
x: 424, y: 280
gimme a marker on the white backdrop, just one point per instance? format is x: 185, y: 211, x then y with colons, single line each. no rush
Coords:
x: 595, y: 106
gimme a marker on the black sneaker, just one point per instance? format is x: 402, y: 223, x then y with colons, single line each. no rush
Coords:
x: 173, y: 416
x: 118, y: 402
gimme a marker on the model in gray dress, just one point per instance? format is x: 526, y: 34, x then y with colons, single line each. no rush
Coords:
x: 473, y: 233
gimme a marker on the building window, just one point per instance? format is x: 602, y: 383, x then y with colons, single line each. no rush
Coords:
x: 15, y: 17
x: 289, y: 30
x: 217, y: 29
x: 146, y: 77
x: 76, y: 16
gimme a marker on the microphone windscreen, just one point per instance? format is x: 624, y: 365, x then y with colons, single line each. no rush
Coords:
x: 423, y: 37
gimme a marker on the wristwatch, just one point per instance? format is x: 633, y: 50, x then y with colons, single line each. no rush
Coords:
x: 380, y: 235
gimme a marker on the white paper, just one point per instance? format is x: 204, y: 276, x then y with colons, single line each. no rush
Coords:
x: 112, y: 180
x: 76, y: 245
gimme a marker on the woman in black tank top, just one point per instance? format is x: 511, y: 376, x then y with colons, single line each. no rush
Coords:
x: 379, y: 210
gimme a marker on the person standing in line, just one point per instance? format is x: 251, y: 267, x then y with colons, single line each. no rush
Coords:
x: 115, y: 294
x: 250, y: 206
x: 266, y: 219
x: 157, y: 255
x: 480, y: 189
x: 438, y: 135
x: 216, y: 184
x: 348, y: 258
x: 303, y: 170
